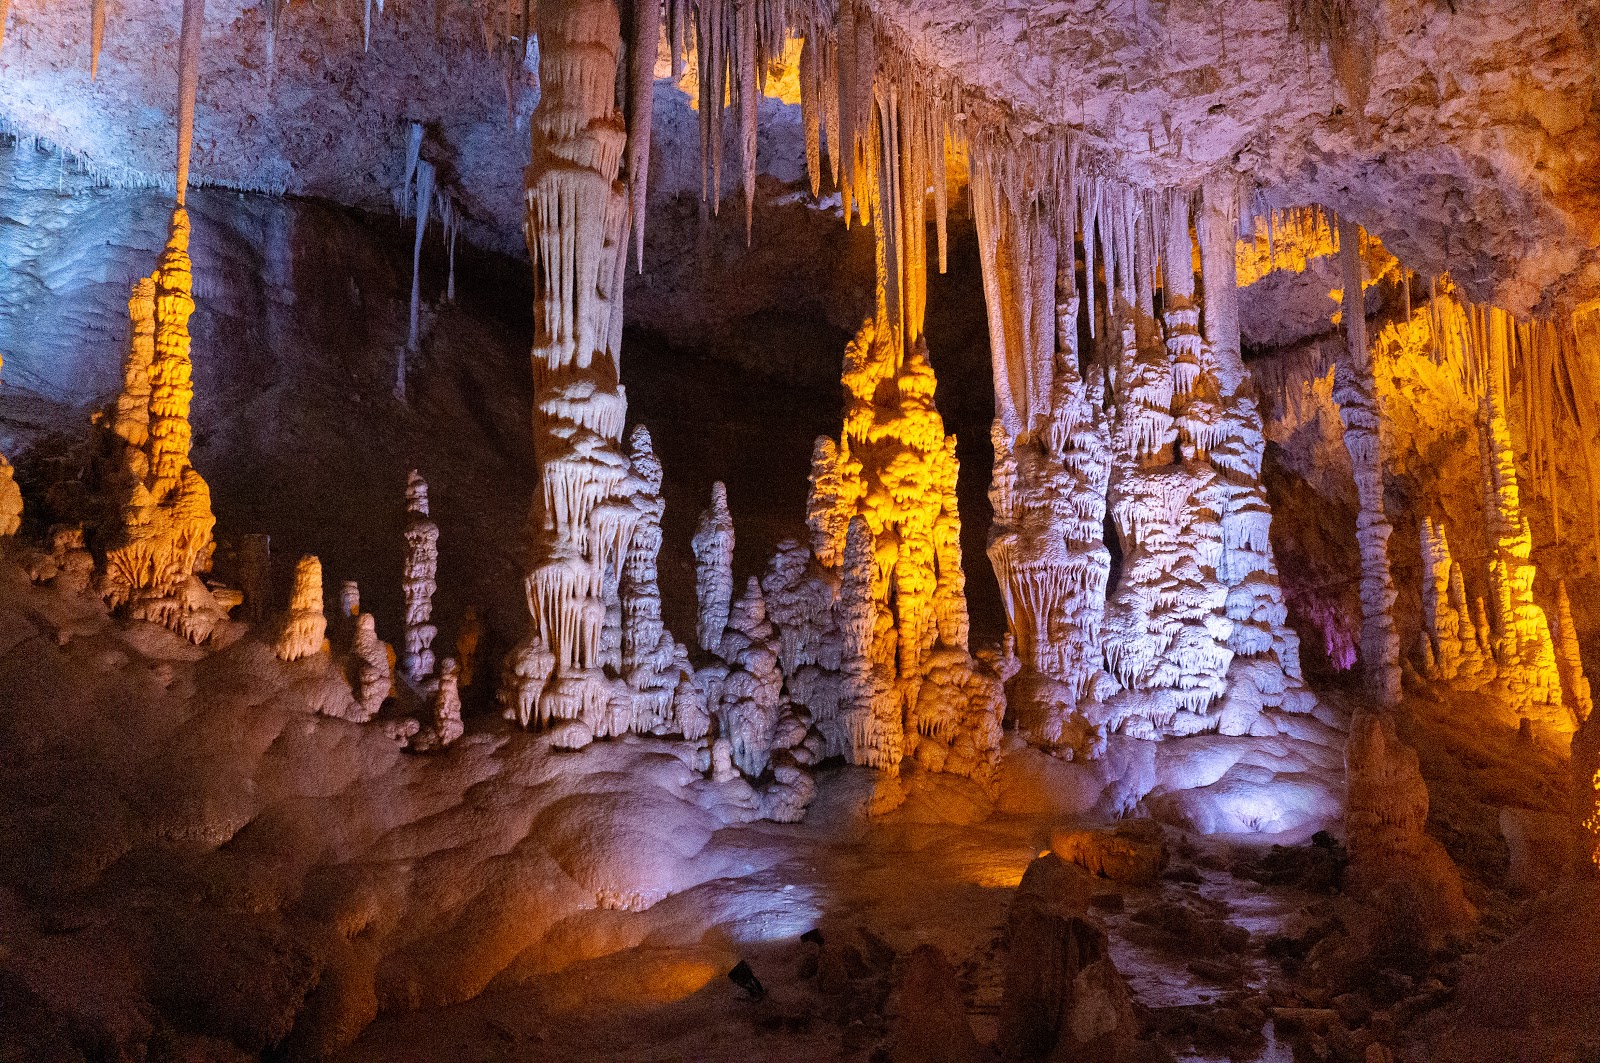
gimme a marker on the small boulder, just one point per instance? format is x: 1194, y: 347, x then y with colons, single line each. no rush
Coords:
x: 1134, y: 853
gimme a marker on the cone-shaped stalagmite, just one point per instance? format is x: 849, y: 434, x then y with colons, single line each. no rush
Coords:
x: 161, y: 530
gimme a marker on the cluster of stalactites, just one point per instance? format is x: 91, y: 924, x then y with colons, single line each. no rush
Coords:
x: 885, y: 529
x: 160, y: 532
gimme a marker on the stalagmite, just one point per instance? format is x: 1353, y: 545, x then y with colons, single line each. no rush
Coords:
x: 1384, y: 825
x: 576, y: 227
x: 650, y: 655
x: 10, y: 493
x: 447, y: 704
x: 160, y: 532
x: 305, y: 627
x: 894, y: 468
x: 1355, y: 393
x: 1569, y: 659
x: 418, y: 581
x: 370, y: 675
x: 713, y: 570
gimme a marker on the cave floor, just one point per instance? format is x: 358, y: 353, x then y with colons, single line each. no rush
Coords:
x: 938, y: 870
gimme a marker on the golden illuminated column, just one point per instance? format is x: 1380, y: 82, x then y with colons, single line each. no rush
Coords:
x: 162, y: 528
x: 1356, y: 394
x: 576, y: 225
x: 1522, y: 641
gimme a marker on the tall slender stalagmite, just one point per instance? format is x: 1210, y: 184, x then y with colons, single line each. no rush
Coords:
x: 10, y: 495
x: 1356, y: 394
x: 576, y: 225
x: 161, y: 532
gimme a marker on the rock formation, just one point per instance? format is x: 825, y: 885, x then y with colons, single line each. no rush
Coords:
x: 159, y: 534
x: 1385, y: 816
x: 892, y: 475
x: 1452, y: 646
x: 1354, y: 391
x: 1523, y: 648
x: 1574, y: 683
x: 418, y: 582
x: 576, y: 228
x: 10, y: 493
x: 1063, y: 996
x: 370, y: 674
x: 713, y: 570
x: 305, y: 627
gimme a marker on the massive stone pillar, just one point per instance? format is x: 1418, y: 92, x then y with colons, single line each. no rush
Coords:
x: 1356, y: 395
x: 577, y: 220
x: 1265, y: 670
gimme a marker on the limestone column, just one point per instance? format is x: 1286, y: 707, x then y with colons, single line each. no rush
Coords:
x: 1355, y: 393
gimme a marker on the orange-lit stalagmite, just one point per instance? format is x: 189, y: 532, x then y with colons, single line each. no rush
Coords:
x: 160, y: 532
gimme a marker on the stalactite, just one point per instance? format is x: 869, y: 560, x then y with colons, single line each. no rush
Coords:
x: 1354, y: 391
x: 97, y: 36
x: 645, y: 26
x: 194, y: 15
x: 274, y: 17
x: 424, y: 203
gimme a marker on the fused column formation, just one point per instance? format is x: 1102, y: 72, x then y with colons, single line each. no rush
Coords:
x: 889, y: 484
x: 576, y: 226
x: 1356, y: 395
x: 1523, y: 646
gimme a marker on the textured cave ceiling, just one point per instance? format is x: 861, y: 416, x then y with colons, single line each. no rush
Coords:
x: 1473, y: 153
